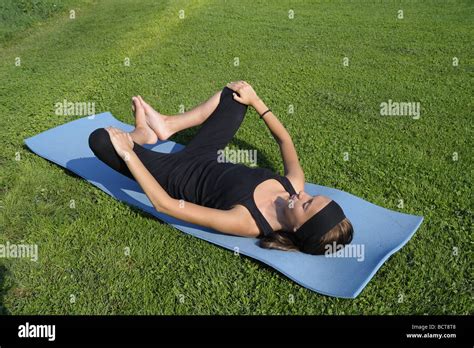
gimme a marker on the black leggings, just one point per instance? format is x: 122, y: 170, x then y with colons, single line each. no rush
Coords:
x: 215, y: 133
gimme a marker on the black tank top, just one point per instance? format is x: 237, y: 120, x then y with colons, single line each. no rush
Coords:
x: 204, y: 181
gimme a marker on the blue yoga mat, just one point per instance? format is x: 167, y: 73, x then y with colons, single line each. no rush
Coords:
x: 379, y: 232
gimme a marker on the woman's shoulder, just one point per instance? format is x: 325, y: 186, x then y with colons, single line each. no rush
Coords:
x: 297, y: 182
x: 246, y: 219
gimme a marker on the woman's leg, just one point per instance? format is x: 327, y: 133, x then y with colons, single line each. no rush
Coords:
x: 220, y: 127
x: 221, y: 117
x: 158, y: 164
x: 101, y: 145
x: 165, y: 126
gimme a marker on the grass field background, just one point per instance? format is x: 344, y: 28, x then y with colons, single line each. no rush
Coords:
x: 82, y: 266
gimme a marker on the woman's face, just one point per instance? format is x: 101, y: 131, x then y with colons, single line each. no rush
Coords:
x: 302, y: 206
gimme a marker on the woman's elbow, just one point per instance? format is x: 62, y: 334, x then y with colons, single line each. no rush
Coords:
x: 161, y: 206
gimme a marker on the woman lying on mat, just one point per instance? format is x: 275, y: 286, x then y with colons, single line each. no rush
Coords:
x: 196, y: 186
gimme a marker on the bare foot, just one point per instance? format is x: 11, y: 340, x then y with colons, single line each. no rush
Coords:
x: 142, y: 132
x: 157, y: 121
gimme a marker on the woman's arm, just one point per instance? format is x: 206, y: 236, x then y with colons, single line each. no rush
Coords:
x: 293, y: 170
x: 231, y: 221
x: 226, y: 221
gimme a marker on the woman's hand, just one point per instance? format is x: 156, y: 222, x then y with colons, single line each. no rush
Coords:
x: 121, y: 141
x: 246, y: 92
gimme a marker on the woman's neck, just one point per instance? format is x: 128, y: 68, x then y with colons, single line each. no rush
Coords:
x: 273, y: 210
x: 271, y: 198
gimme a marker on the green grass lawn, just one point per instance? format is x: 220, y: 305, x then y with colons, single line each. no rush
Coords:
x: 82, y: 266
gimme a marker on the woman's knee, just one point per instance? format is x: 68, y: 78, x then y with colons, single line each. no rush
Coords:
x: 227, y: 98
x: 103, y: 149
x: 227, y: 93
x: 99, y: 140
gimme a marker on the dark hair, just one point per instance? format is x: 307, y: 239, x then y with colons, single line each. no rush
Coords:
x: 341, y: 234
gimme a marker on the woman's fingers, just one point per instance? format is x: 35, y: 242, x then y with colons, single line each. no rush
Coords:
x: 236, y: 97
x: 232, y: 86
x: 121, y: 141
x: 113, y: 130
x: 236, y: 86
